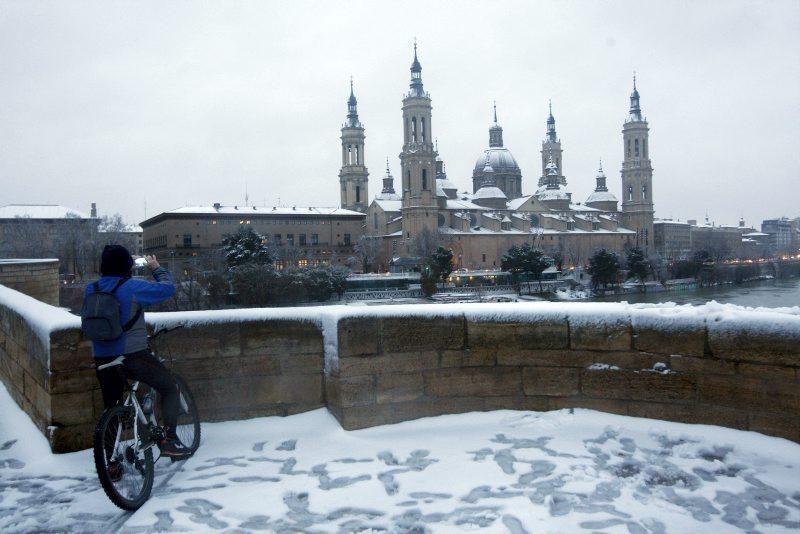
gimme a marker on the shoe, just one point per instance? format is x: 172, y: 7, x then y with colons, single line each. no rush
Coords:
x: 173, y: 448
x: 114, y: 470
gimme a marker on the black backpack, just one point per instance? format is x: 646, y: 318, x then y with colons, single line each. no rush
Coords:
x: 100, y: 320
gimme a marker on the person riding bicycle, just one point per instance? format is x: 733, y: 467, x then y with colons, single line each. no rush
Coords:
x: 139, y: 363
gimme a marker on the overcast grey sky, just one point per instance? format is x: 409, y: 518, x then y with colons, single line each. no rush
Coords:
x: 177, y: 103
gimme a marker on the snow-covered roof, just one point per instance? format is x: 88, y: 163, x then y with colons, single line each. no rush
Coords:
x: 456, y: 204
x: 601, y: 196
x: 39, y: 211
x: 444, y: 183
x: 489, y: 192
x: 581, y: 207
x: 388, y: 196
x: 552, y: 194
x: 499, y: 158
x: 389, y: 205
x: 755, y: 234
x: 667, y: 221
x: 262, y: 210
x: 516, y: 203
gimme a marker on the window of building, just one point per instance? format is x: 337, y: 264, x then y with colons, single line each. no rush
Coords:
x: 358, y: 158
x: 347, y: 240
x: 187, y: 240
x: 413, y: 129
x: 644, y: 192
x: 636, y: 148
x: 290, y: 240
x: 424, y: 179
x: 408, y: 181
x: 302, y: 239
x: 394, y: 247
x: 358, y: 193
x: 630, y: 192
x: 280, y: 265
x: 276, y: 238
x: 303, y: 263
x: 484, y: 258
x: 629, y: 148
x: 315, y: 239
x: 644, y: 148
x: 422, y: 129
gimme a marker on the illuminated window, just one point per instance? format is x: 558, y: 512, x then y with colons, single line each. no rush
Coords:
x: 302, y: 263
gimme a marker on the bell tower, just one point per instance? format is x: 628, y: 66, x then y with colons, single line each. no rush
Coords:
x: 551, y: 146
x: 637, y: 176
x: 354, y: 177
x: 418, y: 161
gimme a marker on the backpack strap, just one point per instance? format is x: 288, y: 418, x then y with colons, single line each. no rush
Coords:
x: 96, y: 286
x: 127, y: 326
x: 122, y: 281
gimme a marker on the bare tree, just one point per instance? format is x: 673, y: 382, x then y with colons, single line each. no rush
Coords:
x: 368, y: 249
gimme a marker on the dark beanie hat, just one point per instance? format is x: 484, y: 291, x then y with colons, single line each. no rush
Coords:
x: 116, y: 261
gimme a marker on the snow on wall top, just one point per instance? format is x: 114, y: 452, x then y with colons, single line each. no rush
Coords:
x: 42, y: 317
x: 263, y: 210
x: 39, y: 211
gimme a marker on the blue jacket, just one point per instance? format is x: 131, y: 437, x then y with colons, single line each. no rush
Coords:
x: 133, y: 295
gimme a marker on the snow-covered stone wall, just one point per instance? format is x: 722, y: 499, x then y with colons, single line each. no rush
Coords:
x: 36, y: 278
x: 713, y: 364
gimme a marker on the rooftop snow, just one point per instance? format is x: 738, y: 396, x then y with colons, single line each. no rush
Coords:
x: 261, y: 210
x: 38, y: 211
x: 389, y: 205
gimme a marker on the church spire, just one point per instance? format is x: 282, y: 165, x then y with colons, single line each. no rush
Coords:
x: 635, y: 111
x: 495, y: 132
x: 388, y: 181
x: 552, y: 174
x: 601, y: 179
x: 352, y: 109
x: 416, y: 75
x: 551, y: 125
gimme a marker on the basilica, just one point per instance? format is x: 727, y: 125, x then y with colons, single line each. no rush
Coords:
x: 479, y: 227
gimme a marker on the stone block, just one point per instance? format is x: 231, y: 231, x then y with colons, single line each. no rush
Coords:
x: 70, y: 358
x: 639, y: 385
x: 603, y: 334
x: 358, y: 336
x: 667, y: 411
x: 732, y: 391
x: 606, y: 384
x: 546, y: 358
x: 631, y: 360
x: 292, y: 364
x: 38, y: 397
x: 767, y: 372
x: 709, y: 414
x: 518, y: 402
x: 473, y: 381
x: 71, y: 381
x: 551, y: 381
x: 353, y: 391
x: 769, y: 347
x: 404, y: 334
x: 71, y: 438
x: 394, y: 387
x: 217, y: 340
x: 400, y: 362
x: 687, y: 364
x: 783, y: 426
x: 72, y: 408
x: 483, y: 356
x: 546, y: 334
x: 615, y: 406
x: 287, y: 389
x: 280, y: 337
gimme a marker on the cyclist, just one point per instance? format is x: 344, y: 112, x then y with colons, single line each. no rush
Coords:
x: 139, y: 363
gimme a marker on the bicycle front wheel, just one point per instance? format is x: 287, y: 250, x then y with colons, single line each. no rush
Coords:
x: 123, y: 458
x: 188, y: 427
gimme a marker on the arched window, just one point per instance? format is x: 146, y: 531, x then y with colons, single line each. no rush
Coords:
x: 413, y: 129
x: 636, y: 147
x: 644, y: 192
x: 424, y: 179
x: 358, y: 193
x: 375, y: 220
x: 349, y: 154
x: 629, y: 148
x: 630, y: 192
x: 422, y: 130
x: 357, y: 156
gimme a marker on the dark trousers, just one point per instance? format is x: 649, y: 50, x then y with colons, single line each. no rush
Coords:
x: 144, y: 367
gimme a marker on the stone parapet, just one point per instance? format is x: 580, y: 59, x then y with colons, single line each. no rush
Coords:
x: 35, y: 278
x: 370, y: 366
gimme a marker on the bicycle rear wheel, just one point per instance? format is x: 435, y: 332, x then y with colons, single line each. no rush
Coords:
x: 123, y: 458
x: 188, y: 427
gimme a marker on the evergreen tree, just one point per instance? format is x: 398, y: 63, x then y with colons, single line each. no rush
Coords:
x: 523, y: 259
x: 442, y: 263
x: 637, y: 264
x: 244, y: 247
x: 604, y: 268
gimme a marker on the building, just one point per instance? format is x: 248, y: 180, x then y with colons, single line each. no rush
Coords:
x: 51, y: 231
x: 191, y: 237
x: 353, y: 177
x: 719, y: 241
x: 672, y: 239
x: 782, y: 234
x: 482, y: 225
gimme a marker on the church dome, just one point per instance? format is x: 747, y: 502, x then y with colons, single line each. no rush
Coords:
x: 601, y: 196
x: 499, y: 158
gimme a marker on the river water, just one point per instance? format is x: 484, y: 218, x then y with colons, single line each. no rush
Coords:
x: 766, y: 293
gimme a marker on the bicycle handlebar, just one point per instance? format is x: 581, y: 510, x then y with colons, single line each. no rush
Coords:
x: 165, y: 329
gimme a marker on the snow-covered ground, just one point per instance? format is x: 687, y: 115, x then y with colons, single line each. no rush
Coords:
x: 500, y: 471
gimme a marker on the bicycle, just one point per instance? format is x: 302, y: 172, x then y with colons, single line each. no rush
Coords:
x: 127, y: 433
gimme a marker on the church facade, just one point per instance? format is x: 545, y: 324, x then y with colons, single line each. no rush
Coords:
x: 480, y: 226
